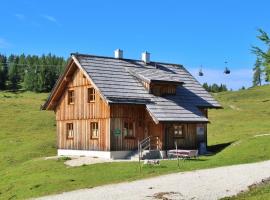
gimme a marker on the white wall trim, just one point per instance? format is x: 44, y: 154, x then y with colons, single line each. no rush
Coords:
x: 69, y: 152
x: 100, y: 154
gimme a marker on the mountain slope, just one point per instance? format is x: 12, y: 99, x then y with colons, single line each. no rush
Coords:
x: 239, y: 133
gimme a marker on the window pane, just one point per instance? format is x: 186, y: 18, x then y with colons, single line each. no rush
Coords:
x: 178, y: 130
x: 130, y: 132
x: 125, y: 131
x: 131, y: 126
x: 70, y: 132
x: 126, y: 125
x: 94, y: 129
x: 71, y: 96
x: 91, y: 94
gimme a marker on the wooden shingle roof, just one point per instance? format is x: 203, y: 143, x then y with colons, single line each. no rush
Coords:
x: 117, y: 80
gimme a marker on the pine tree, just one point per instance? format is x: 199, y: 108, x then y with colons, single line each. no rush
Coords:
x: 215, y: 88
x: 264, y: 56
x: 257, y: 73
x: 206, y: 87
x: 13, y: 72
x: 3, y: 72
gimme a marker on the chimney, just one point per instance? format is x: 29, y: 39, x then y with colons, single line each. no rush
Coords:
x: 146, y: 57
x: 118, y: 53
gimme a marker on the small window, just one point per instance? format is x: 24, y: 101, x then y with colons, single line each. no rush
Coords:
x: 91, y: 95
x: 94, y: 130
x: 70, y: 131
x: 178, y: 130
x: 129, y: 129
x: 71, y: 96
x: 156, y: 91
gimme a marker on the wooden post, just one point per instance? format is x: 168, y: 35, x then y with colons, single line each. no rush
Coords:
x: 149, y: 143
x: 177, y: 154
x: 139, y: 153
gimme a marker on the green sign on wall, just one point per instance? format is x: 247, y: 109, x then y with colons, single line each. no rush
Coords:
x: 117, y: 131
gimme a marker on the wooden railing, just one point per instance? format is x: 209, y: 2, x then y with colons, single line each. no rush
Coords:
x: 154, y: 143
x: 144, y: 144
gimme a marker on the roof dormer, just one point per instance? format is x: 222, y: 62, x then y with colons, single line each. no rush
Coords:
x: 157, y: 81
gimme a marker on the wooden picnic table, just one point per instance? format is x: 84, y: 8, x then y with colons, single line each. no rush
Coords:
x: 181, y: 153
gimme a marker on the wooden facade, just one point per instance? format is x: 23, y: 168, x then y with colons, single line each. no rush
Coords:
x: 120, y: 126
x: 81, y: 113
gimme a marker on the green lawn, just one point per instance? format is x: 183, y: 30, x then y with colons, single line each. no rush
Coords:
x: 258, y: 192
x: 28, y: 134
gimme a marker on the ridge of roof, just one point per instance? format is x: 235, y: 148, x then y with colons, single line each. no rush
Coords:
x: 127, y: 59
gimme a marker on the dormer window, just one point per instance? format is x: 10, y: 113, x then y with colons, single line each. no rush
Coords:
x: 156, y: 91
x: 163, y: 89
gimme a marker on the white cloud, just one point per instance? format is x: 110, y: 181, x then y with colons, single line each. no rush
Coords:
x: 235, y: 80
x: 20, y: 16
x: 50, y: 18
x: 3, y: 43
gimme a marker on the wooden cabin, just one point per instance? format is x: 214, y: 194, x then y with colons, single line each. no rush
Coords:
x: 106, y: 105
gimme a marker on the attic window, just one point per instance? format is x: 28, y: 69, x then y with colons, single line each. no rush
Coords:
x: 70, y: 131
x: 91, y: 95
x: 156, y: 91
x: 71, y: 96
x: 163, y: 89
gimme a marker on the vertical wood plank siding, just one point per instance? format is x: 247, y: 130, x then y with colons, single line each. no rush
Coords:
x: 120, y: 114
x: 81, y: 114
x: 188, y: 141
x: 111, y: 118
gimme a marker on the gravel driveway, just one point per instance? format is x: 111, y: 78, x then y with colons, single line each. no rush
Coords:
x: 207, y: 184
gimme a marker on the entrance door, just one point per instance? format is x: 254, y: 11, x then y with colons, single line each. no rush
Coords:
x: 169, y: 137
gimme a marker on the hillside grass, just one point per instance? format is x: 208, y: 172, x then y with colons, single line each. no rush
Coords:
x: 27, y: 135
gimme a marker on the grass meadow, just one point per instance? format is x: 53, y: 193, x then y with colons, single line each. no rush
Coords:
x: 239, y: 133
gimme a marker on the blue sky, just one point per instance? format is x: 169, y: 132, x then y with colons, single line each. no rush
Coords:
x: 191, y: 33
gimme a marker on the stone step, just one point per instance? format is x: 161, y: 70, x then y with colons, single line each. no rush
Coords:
x: 152, y: 154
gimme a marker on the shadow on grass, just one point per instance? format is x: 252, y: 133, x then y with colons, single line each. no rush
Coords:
x: 214, y: 149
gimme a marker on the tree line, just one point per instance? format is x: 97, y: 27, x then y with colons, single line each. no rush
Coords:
x: 215, y: 87
x: 31, y: 72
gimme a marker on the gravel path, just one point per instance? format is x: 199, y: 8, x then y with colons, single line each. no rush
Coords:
x: 207, y: 184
